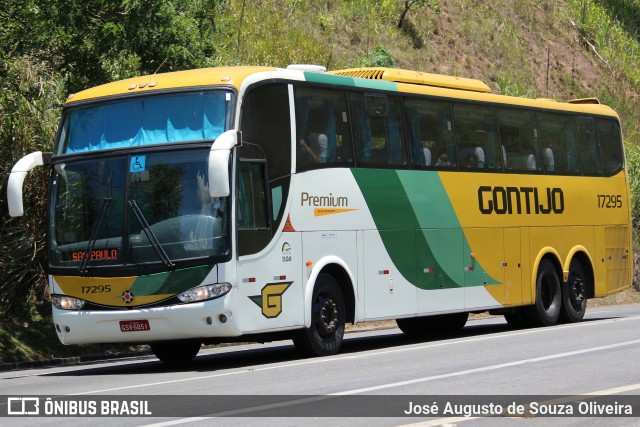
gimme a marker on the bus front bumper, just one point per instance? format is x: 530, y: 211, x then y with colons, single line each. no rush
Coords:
x: 189, y: 321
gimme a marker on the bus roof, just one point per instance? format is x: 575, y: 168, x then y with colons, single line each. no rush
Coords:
x: 229, y: 76
x: 407, y: 81
x: 415, y: 77
x: 387, y: 79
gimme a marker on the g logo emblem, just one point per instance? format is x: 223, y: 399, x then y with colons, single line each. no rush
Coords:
x: 270, y: 299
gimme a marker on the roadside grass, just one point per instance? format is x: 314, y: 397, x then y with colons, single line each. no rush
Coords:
x: 628, y: 296
x: 34, y: 339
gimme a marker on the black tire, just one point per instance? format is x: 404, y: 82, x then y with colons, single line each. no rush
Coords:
x: 441, y: 324
x: 412, y: 326
x: 176, y: 352
x: 546, y: 310
x: 574, y: 294
x: 517, y: 319
x: 328, y: 316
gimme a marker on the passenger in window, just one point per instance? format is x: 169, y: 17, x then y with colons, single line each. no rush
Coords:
x: 471, y: 161
x: 443, y: 160
x: 310, y: 151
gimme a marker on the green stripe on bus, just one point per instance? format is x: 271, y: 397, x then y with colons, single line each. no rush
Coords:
x: 332, y: 79
x: 172, y: 282
x: 418, y: 226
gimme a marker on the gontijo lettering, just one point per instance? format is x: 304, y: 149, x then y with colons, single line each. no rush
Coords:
x: 520, y: 200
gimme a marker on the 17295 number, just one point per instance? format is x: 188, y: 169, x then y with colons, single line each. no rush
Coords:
x: 609, y: 201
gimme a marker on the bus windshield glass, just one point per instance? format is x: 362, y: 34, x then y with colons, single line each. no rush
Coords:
x: 159, y: 202
x: 146, y: 120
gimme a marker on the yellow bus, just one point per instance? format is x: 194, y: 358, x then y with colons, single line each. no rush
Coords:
x: 242, y: 203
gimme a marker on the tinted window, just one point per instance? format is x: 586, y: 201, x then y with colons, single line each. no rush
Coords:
x: 519, y: 139
x: 323, y: 134
x: 147, y: 120
x: 377, y: 130
x: 430, y: 133
x: 477, y: 137
x: 611, y: 145
x: 266, y: 122
x: 588, y: 146
x: 558, y: 144
x: 251, y: 196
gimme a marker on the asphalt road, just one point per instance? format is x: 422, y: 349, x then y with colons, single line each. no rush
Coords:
x: 376, y: 378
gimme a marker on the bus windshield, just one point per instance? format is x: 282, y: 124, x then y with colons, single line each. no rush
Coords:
x: 146, y: 120
x: 159, y: 202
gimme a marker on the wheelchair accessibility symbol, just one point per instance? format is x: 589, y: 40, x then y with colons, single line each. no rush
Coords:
x: 138, y: 164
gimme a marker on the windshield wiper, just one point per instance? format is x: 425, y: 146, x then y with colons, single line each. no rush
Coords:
x: 86, y: 255
x: 150, y: 234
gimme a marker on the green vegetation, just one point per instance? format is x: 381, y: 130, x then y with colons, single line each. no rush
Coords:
x: 558, y: 49
x: 32, y: 338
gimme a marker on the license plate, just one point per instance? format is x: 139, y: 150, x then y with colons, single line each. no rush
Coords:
x: 134, y: 325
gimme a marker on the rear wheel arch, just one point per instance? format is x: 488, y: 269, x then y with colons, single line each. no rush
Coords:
x: 577, y: 288
x: 342, y: 274
x: 547, y: 301
x: 551, y: 255
x: 582, y: 256
x: 345, y: 283
x: 324, y: 336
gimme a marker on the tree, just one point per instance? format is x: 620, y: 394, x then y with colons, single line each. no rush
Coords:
x: 50, y: 48
x: 407, y: 6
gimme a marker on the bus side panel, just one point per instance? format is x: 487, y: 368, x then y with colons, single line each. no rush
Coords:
x: 613, y: 260
x: 386, y: 292
x: 440, y: 276
x: 599, y: 267
x: 512, y: 267
x: 270, y: 286
x: 526, y: 266
x: 341, y: 245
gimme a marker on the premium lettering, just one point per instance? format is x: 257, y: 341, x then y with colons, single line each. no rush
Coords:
x: 307, y: 199
x: 520, y: 200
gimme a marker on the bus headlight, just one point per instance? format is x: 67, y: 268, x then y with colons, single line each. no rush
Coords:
x: 202, y: 293
x: 67, y: 303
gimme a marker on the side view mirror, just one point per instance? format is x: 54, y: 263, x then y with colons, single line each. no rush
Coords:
x: 219, y: 163
x: 17, y: 176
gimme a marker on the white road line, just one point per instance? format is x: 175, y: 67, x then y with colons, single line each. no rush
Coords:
x: 330, y: 359
x: 425, y: 379
x: 486, y: 368
x: 498, y: 335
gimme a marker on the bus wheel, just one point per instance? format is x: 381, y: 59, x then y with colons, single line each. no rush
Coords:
x: 546, y: 310
x: 176, y: 352
x: 441, y: 324
x: 328, y: 316
x: 412, y: 326
x: 517, y: 318
x: 574, y: 298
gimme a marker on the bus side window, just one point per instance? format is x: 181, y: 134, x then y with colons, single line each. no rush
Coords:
x: 251, y: 196
x: 265, y: 121
x: 557, y: 140
x: 588, y: 146
x: 519, y: 139
x: 477, y: 137
x: 377, y: 129
x: 430, y: 133
x: 323, y: 135
x: 253, y: 223
x: 611, y: 146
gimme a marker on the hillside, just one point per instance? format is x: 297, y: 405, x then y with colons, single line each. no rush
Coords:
x: 519, y: 47
x: 560, y: 49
